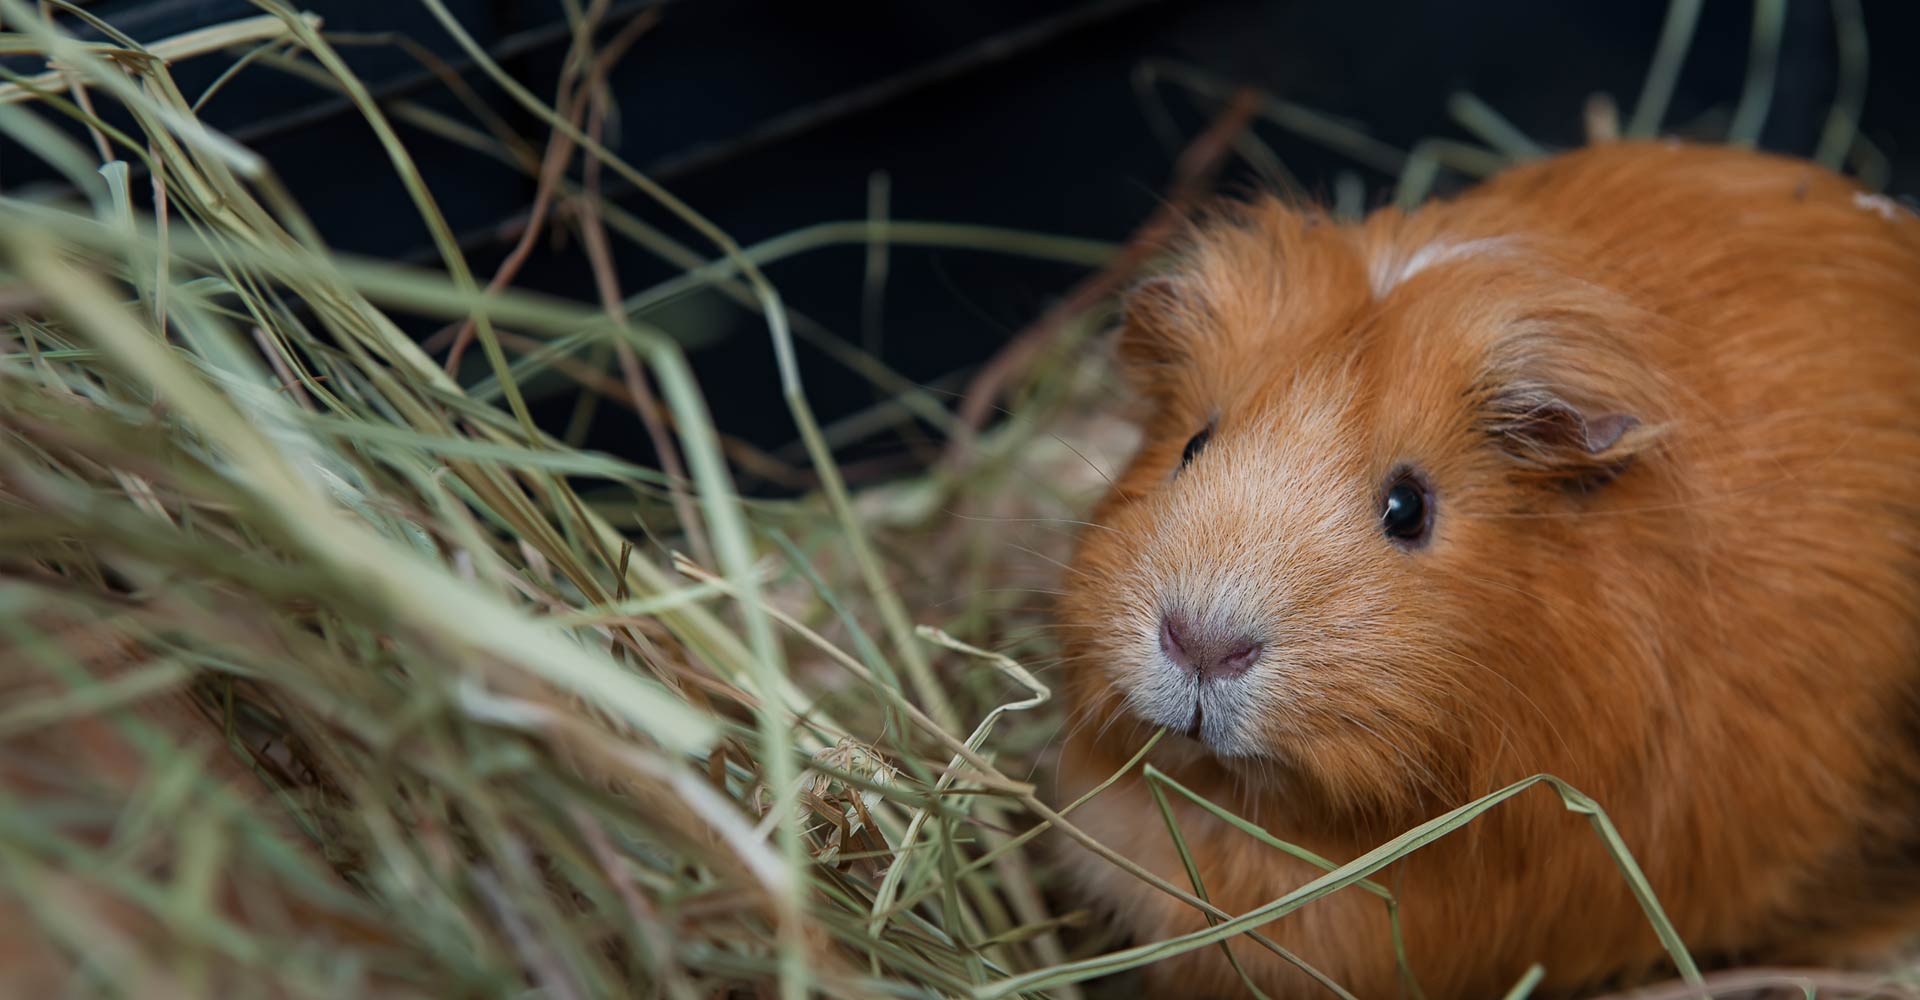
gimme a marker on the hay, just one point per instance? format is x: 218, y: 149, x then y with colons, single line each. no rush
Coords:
x: 327, y: 676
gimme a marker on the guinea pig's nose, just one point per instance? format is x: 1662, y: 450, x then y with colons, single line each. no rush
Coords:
x: 1209, y: 652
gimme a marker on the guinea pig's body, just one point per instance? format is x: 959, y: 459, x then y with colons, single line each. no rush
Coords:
x: 1608, y: 469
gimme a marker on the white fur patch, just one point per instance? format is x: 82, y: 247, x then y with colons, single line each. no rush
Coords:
x: 1878, y: 204
x: 1390, y: 271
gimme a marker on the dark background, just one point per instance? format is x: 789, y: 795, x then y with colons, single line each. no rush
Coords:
x: 771, y: 116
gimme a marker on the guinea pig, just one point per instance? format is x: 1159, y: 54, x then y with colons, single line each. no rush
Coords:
x: 1608, y: 468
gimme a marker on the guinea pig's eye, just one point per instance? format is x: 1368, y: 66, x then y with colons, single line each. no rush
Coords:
x: 1195, y: 445
x: 1406, y: 511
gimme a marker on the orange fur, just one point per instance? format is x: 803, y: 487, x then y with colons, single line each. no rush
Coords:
x: 91, y: 770
x: 1707, y: 618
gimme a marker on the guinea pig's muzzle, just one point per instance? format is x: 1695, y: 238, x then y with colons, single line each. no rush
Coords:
x: 1200, y: 679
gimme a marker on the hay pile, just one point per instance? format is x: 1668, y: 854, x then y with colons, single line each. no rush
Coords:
x: 325, y: 674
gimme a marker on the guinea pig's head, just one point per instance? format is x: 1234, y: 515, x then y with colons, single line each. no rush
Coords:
x: 1372, y: 457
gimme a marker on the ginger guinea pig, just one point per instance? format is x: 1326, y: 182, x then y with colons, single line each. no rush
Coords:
x: 1610, y: 469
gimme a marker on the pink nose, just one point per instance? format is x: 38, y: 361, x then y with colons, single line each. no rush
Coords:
x: 1208, y: 652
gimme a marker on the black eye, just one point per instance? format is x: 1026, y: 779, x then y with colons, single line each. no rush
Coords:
x: 1403, y: 514
x: 1195, y: 445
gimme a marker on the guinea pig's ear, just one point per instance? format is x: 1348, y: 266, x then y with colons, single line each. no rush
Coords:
x: 1580, y: 444
x: 1160, y: 316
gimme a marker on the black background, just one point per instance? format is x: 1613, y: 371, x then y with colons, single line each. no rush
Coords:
x: 1018, y: 113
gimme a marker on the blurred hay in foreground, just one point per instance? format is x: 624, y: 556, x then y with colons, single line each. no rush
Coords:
x: 323, y: 673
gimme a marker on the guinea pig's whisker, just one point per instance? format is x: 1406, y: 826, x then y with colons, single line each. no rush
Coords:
x: 1022, y: 590
x: 1047, y: 558
x: 1078, y: 454
x: 1009, y: 609
x: 1048, y: 665
x: 1062, y: 524
x: 1115, y: 716
x: 1413, y: 768
x: 1083, y: 716
x: 1081, y: 720
x: 1461, y: 658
